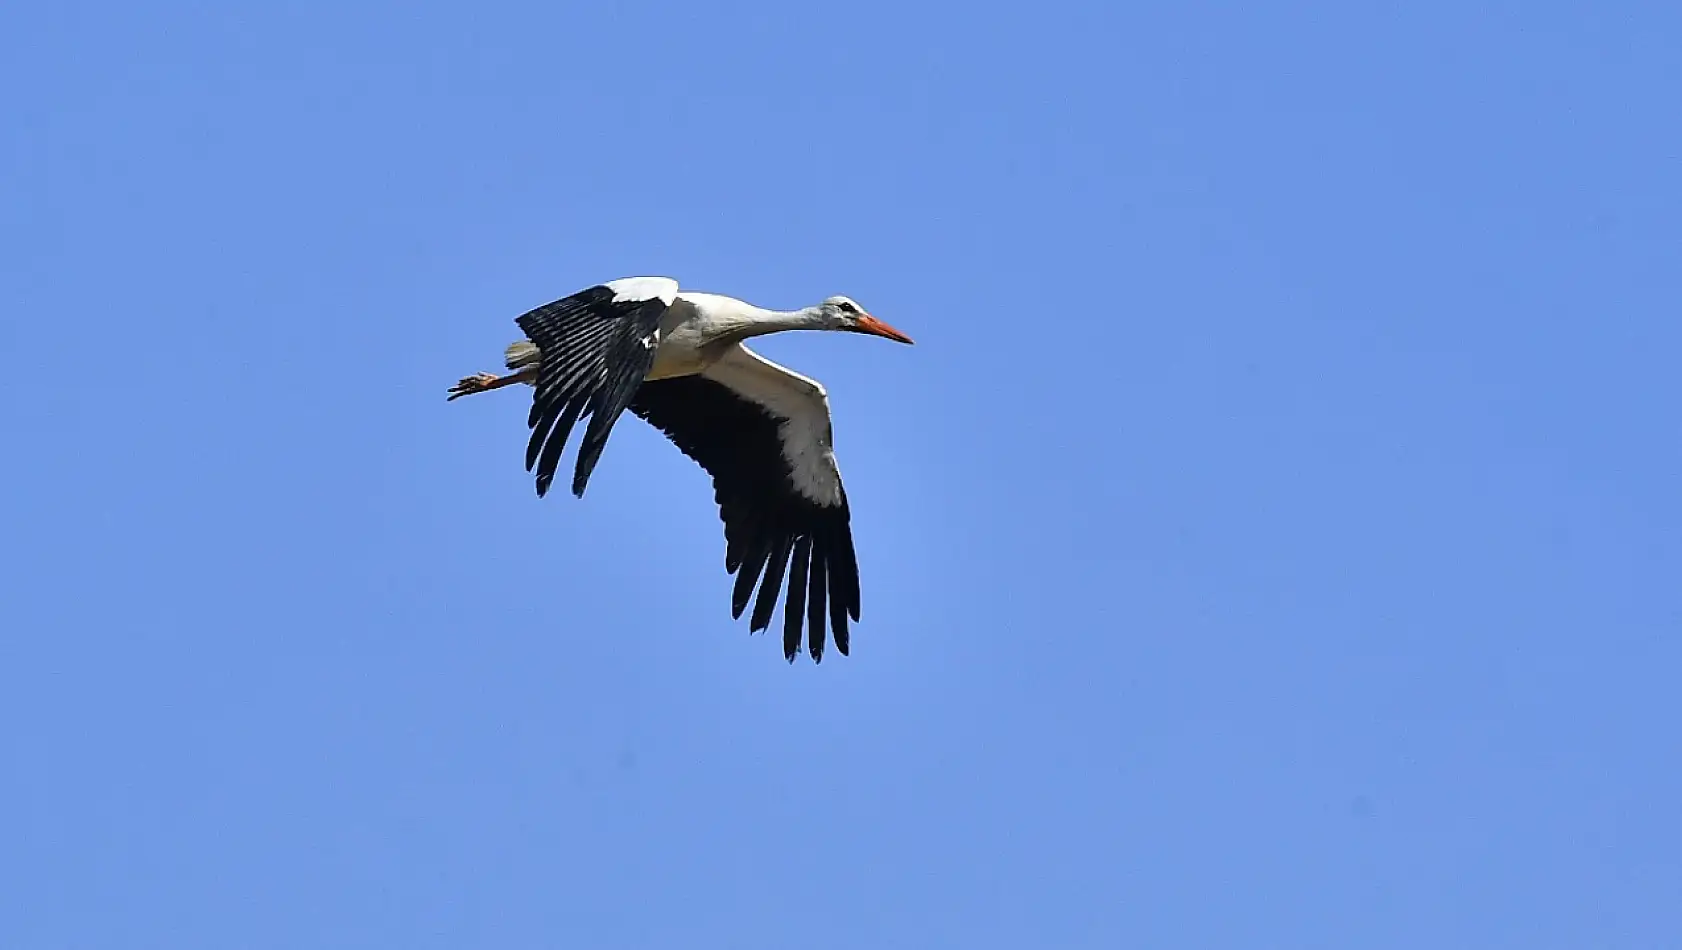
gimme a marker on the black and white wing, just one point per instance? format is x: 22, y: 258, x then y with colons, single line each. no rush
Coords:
x: 763, y: 433
x: 596, y: 345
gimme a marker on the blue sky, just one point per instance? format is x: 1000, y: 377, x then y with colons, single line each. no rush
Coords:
x: 1272, y: 540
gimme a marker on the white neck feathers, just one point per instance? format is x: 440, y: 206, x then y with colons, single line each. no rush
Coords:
x: 732, y: 319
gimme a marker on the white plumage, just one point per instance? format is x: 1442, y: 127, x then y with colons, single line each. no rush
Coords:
x: 676, y: 359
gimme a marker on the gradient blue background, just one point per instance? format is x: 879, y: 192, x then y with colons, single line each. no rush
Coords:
x: 1271, y: 542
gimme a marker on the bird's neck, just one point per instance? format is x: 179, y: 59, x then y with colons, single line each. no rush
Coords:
x: 760, y: 321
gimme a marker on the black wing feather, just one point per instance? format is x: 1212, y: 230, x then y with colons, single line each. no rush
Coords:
x: 596, y: 351
x: 794, y: 611
x: 767, y: 523
x: 751, y: 568
x: 766, y: 603
x: 815, y: 601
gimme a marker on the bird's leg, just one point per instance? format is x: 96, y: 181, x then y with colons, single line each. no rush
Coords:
x: 485, y: 382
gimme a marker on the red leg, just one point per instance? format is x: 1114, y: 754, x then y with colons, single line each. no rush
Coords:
x: 485, y: 382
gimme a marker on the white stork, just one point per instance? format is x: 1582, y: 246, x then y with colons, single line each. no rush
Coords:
x: 676, y: 360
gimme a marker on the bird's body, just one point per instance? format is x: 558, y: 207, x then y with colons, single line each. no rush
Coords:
x: 677, y: 361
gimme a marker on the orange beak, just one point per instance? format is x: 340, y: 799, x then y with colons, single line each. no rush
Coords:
x: 874, y: 327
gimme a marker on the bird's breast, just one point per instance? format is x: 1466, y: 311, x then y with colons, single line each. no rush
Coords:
x: 682, y: 352
x: 667, y: 365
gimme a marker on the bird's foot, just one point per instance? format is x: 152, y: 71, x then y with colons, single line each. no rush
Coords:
x: 469, y: 385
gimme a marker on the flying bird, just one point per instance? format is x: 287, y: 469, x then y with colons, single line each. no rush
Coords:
x: 676, y: 360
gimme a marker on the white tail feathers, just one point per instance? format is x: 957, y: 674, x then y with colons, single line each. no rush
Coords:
x: 522, y: 354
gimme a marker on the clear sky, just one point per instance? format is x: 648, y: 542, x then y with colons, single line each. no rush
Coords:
x: 1271, y: 542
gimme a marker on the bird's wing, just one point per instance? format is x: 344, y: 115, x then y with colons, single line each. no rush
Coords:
x: 597, y: 346
x: 763, y: 433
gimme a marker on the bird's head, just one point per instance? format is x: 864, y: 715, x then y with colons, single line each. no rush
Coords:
x: 841, y: 313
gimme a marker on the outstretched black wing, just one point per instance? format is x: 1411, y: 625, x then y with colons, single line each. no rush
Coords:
x: 763, y: 434
x: 597, y: 346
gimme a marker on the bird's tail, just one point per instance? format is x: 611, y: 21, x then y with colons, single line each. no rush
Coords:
x: 522, y: 354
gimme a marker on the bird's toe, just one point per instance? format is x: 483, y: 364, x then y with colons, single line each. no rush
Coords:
x: 471, y: 384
